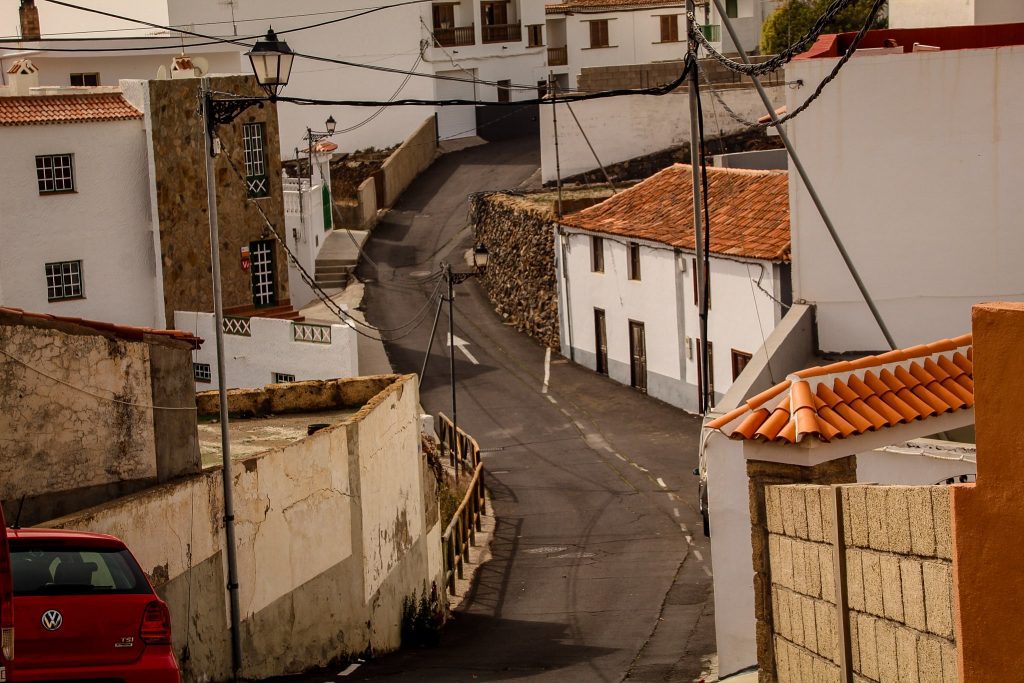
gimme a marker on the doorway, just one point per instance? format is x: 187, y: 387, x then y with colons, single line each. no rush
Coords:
x: 601, y: 341
x: 637, y: 356
x: 264, y: 285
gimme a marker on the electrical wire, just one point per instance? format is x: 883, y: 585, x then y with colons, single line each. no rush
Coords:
x: 82, y: 390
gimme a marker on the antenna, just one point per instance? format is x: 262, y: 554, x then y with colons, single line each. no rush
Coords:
x: 17, y: 517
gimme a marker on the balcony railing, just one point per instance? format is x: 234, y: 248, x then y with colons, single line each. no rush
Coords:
x: 454, y: 37
x: 713, y: 32
x: 502, y: 33
x: 558, y: 56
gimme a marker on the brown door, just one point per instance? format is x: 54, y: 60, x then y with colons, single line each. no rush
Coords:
x: 637, y: 356
x: 262, y: 272
x: 601, y: 339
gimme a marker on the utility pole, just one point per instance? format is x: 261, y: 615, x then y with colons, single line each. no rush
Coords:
x: 451, y: 359
x: 704, y: 400
x: 558, y: 161
x: 805, y: 178
x: 225, y: 439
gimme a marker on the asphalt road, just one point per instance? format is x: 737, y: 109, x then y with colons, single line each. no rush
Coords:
x: 599, y: 571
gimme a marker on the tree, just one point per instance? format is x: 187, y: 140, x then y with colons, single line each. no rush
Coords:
x: 794, y: 18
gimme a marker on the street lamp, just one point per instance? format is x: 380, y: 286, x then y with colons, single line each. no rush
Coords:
x: 315, y: 136
x: 331, y: 125
x: 272, y: 64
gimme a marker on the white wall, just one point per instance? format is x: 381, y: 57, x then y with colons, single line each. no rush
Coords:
x: 304, y: 227
x: 622, y: 128
x: 917, y: 157
x: 105, y: 223
x: 251, y: 361
x: 54, y: 19
x: 926, y: 13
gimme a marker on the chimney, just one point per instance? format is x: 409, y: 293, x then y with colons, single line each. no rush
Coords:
x: 29, y: 20
x: 23, y: 75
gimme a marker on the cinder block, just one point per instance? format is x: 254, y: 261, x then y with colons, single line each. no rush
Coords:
x: 828, y: 513
x: 854, y: 641
x: 799, y: 566
x: 847, y: 523
x: 782, y: 660
x: 913, y: 594
x: 906, y: 655
x: 777, y: 625
x: 868, y: 646
x: 813, y: 502
x: 922, y: 529
x: 878, y: 536
x: 780, y: 560
x: 799, y: 506
x: 796, y: 618
x: 823, y: 671
x: 810, y: 628
x: 854, y: 580
x: 788, y: 516
x: 828, y: 575
x: 806, y: 667
x: 929, y: 659
x: 949, y: 664
x: 940, y: 511
x: 857, y: 533
x: 773, y: 509
x: 885, y: 637
x: 937, y: 598
x: 825, y: 622
x: 812, y: 570
x: 871, y: 570
x: 897, y: 521
x: 892, y: 587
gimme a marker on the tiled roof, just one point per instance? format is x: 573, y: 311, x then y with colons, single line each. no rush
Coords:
x: 322, y: 147
x: 44, y: 109
x: 127, y: 332
x: 853, y: 397
x: 606, y: 5
x: 749, y: 212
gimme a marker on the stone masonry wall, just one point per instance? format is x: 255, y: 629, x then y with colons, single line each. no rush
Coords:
x: 180, y: 167
x: 898, y: 583
x: 520, y: 275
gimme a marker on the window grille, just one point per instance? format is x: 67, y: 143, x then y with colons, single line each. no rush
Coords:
x: 64, y: 280
x: 253, y: 141
x: 55, y: 173
x: 202, y: 373
x: 283, y: 378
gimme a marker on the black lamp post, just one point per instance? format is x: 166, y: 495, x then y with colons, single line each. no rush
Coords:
x: 315, y: 136
x: 272, y: 63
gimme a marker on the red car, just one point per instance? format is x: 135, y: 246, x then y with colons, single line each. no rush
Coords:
x: 82, y: 609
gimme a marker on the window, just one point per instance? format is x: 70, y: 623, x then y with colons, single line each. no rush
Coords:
x: 64, y: 280
x: 444, y: 16
x: 696, y: 301
x: 53, y: 568
x: 535, y: 35
x: 669, y: 28
x: 599, y: 33
x: 504, y: 90
x: 89, y: 80
x: 256, y: 181
x: 597, y: 254
x: 732, y: 9
x: 283, y: 377
x: 634, y: 261
x: 711, y: 374
x: 739, y: 361
x: 201, y: 371
x: 55, y: 173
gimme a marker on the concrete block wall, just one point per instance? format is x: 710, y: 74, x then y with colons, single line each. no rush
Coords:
x: 898, y: 583
x: 410, y: 159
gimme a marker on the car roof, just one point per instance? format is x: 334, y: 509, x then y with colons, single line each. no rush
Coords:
x: 66, y: 535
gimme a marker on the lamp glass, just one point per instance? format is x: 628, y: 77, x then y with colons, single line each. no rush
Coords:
x: 271, y: 61
x: 331, y: 125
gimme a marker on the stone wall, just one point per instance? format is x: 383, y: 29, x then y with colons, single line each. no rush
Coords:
x: 64, y: 447
x: 520, y: 274
x: 597, y: 78
x: 896, y: 585
x: 333, y: 531
x: 410, y: 159
x: 180, y: 192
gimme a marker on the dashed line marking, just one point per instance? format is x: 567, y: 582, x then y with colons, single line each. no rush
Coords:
x: 673, y: 496
x: 706, y: 570
x: 350, y: 670
x: 551, y: 398
x: 675, y: 511
x: 621, y: 458
x: 683, y: 527
x: 696, y: 553
x: 661, y: 483
x: 547, y: 369
x: 689, y: 540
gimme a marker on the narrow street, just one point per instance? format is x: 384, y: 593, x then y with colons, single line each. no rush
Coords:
x: 600, y: 571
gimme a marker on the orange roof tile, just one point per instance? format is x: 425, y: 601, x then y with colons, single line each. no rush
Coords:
x: 128, y: 332
x: 606, y: 5
x: 852, y: 397
x: 78, y: 108
x: 749, y: 212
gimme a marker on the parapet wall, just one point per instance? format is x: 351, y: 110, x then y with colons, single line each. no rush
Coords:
x: 895, y: 578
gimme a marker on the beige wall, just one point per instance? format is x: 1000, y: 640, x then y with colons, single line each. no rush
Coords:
x: 898, y: 583
x: 331, y: 532
x: 410, y: 159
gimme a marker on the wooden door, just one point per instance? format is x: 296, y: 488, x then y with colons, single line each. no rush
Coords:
x: 637, y: 356
x: 601, y: 341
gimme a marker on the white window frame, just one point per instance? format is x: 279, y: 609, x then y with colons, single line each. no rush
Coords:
x: 64, y: 280
x: 55, y: 173
x: 202, y: 372
x: 282, y: 377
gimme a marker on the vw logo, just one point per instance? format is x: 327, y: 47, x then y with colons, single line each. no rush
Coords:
x: 52, y: 620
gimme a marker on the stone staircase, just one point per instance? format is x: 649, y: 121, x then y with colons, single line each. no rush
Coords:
x: 333, y: 273
x: 338, y: 258
x: 282, y: 311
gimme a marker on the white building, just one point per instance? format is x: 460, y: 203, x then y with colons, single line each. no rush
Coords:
x: 925, y: 13
x: 627, y: 280
x: 914, y: 154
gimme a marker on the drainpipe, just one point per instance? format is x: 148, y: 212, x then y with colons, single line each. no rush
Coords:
x: 560, y: 240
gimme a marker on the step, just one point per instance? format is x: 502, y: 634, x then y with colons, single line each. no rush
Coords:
x: 336, y: 262
x: 335, y: 269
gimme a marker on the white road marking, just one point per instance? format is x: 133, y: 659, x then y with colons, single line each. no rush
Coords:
x: 350, y: 670
x: 621, y: 458
x: 696, y: 553
x: 689, y: 540
x: 661, y: 483
x: 547, y: 369
x: 675, y: 511
x: 673, y: 496
x: 461, y: 344
x: 706, y: 570
x: 552, y: 399
x: 683, y: 527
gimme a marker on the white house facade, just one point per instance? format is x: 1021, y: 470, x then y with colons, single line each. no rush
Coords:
x: 627, y: 290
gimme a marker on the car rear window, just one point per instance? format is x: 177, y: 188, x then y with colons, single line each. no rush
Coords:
x: 40, y: 568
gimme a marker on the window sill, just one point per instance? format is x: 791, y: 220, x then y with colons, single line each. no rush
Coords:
x: 65, y: 298
x: 599, y: 47
x: 667, y: 42
x: 48, y: 193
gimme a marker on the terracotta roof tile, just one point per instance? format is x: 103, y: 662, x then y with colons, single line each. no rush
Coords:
x: 749, y: 212
x: 78, y: 108
x: 607, y: 5
x: 128, y: 332
x: 853, y: 397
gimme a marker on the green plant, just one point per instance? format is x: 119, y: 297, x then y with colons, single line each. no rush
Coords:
x: 793, y: 18
x: 422, y: 619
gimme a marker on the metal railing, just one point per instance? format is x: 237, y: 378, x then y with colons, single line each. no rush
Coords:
x: 558, y: 56
x: 454, y: 37
x: 463, y: 452
x: 502, y: 33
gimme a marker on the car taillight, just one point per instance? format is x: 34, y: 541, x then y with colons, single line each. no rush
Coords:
x: 156, y: 624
